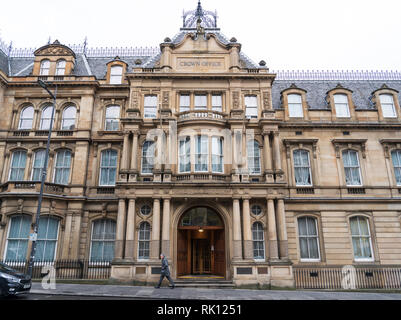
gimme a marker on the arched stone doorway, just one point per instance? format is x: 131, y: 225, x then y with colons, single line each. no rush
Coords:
x: 201, y: 243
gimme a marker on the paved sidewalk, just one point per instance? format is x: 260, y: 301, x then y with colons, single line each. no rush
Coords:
x: 205, y: 294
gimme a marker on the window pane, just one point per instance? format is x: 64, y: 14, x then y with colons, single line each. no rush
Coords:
x: 217, y: 103
x: 18, y: 166
x: 150, y: 106
x: 396, y: 157
x: 184, y: 102
x: 387, y: 104
x: 17, y: 242
x: 108, y: 166
x: 46, y: 118
x: 295, y: 105
x: 148, y: 154
x: 38, y: 163
x: 116, y: 74
x: 26, y: 118
x: 200, y: 101
x: 112, y: 118
x: 253, y: 157
x: 69, y: 115
x: 103, y: 237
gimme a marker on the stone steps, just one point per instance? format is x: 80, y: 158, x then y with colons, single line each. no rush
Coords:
x: 204, y: 283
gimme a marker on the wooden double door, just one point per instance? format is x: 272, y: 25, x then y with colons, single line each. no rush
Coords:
x: 201, y: 253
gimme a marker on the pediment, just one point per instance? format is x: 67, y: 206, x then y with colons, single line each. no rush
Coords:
x: 193, y: 42
x: 54, y: 49
x: 200, y: 52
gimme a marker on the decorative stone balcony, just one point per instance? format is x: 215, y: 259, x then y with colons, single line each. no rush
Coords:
x: 34, y: 186
x: 201, y: 115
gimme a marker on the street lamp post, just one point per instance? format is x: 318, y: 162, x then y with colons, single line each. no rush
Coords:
x: 43, y: 179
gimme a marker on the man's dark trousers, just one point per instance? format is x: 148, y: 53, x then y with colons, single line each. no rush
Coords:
x: 165, y: 272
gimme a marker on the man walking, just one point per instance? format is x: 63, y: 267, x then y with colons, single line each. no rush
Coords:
x: 165, y: 273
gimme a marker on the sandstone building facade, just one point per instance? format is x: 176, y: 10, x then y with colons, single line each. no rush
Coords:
x: 194, y: 150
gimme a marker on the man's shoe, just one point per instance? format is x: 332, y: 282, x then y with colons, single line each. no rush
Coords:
x: 172, y: 287
x: 157, y: 287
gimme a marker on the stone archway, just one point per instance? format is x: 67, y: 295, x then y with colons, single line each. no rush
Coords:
x: 201, y: 242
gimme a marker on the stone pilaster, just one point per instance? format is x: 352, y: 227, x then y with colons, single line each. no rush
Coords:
x: 155, y: 244
x: 130, y: 234
x: 267, y: 157
x: 119, y: 244
x: 271, y: 222
x: 246, y: 218
x: 282, y: 230
x: 237, y: 231
x: 166, y: 228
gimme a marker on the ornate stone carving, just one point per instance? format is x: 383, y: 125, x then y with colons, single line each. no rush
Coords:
x: 134, y: 100
x: 266, y: 100
x: 166, y: 100
x: 236, y: 100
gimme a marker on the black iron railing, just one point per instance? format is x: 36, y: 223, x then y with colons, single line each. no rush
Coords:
x: 347, y: 277
x: 66, y: 269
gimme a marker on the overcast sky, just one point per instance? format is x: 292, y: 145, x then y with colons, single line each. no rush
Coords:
x: 287, y: 34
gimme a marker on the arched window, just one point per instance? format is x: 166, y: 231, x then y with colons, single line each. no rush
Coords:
x: 341, y: 105
x: 351, y: 168
x: 108, y: 167
x: 103, y: 239
x: 62, y: 167
x: 60, y: 67
x: 44, y: 67
x: 302, y: 170
x: 253, y: 153
x: 308, y: 238
x: 47, y: 239
x: 144, y: 241
x: 258, y: 241
x: 26, y: 118
x: 17, y: 240
x: 361, y: 240
x: 396, y: 156
x: 17, y: 167
x: 112, y: 118
x: 116, y: 73
x: 295, y: 109
x: 387, y: 104
x: 185, y: 154
x: 46, y: 117
x: 38, y: 163
x: 68, y: 121
x: 217, y: 154
x: 148, y: 154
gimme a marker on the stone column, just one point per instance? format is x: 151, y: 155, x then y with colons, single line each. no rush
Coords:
x: 124, y: 158
x: 119, y: 245
x: 282, y: 230
x: 130, y: 234
x: 267, y: 157
x: 76, y: 235
x: 134, y: 151
x: 246, y: 216
x: 271, y: 222
x: 155, y: 244
x: 67, y: 236
x: 166, y: 228
x: 237, y: 230
x: 276, y: 152
x: 6, y: 162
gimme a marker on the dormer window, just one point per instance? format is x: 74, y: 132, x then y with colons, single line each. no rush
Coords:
x: 60, y: 68
x: 341, y: 105
x: 116, y: 73
x: 295, y: 106
x: 387, y: 104
x: 45, y: 67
